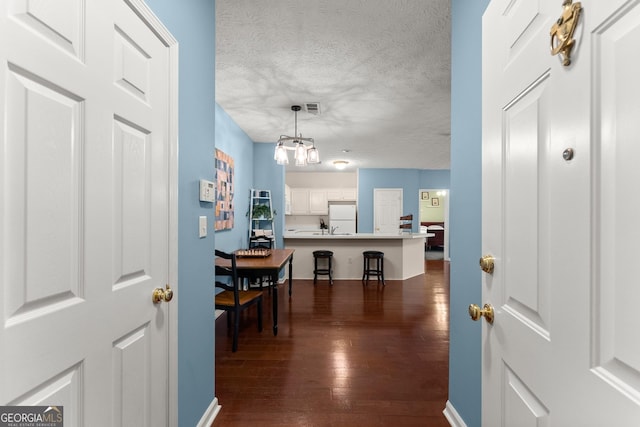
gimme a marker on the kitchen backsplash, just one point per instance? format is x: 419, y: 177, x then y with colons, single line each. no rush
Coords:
x: 304, y: 221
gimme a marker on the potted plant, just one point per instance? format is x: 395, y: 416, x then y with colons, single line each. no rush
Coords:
x: 261, y: 212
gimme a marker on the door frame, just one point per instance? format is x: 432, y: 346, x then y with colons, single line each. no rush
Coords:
x: 163, y: 34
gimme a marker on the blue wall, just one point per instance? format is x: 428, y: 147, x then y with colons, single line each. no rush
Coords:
x: 410, y: 180
x: 193, y: 24
x: 268, y: 175
x: 465, y: 208
x: 235, y: 142
x: 254, y: 168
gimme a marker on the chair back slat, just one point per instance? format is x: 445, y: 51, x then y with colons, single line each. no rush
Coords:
x: 233, y: 285
x: 406, y: 222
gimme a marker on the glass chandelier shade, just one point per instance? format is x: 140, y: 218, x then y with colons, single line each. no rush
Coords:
x: 313, y: 156
x: 280, y: 156
x: 301, y: 154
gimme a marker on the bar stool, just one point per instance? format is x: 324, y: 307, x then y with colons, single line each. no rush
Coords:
x: 368, y: 270
x: 328, y: 255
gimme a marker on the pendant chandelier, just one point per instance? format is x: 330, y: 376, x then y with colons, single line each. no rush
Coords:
x: 304, y: 153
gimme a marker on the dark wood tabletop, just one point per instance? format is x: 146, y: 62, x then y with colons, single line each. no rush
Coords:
x: 277, y: 259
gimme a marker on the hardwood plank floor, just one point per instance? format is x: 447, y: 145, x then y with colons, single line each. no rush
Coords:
x: 346, y: 355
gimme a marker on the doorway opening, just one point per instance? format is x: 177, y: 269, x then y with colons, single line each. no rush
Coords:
x: 434, y: 219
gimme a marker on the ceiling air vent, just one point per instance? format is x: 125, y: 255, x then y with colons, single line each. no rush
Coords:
x: 312, y: 107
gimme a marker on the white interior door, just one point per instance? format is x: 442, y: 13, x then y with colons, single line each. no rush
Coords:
x: 85, y: 156
x: 563, y: 348
x: 387, y: 210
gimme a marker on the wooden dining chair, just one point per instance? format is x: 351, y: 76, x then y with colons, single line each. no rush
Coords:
x: 406, y: 223
x: 232, y: 299
x: 259, y: 243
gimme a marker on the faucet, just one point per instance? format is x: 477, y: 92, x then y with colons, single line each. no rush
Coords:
x: 333, y: 229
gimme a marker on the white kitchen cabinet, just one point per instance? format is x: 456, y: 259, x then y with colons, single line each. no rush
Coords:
x: 315, y: 201
x: 299, y: 201
x: 318, y: 204
x: 339, y: 194
x: 309, y: 201
x: 349, y: 194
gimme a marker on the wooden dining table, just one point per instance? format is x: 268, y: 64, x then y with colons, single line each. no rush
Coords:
x: 270, y: 265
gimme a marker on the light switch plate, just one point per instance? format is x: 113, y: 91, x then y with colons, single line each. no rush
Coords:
x: 202, y: 226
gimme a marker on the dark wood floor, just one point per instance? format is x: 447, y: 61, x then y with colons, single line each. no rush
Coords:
x: 345, y: 355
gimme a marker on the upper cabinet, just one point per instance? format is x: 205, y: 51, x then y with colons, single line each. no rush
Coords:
x: 299, y: 201
x: 335, y: 194
x: 309, y: 201
x: 315, y: 201
x: 318, y: 204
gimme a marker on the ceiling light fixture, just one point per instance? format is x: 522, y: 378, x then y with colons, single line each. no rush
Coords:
x: 304, y: 154
x: 340, y: 164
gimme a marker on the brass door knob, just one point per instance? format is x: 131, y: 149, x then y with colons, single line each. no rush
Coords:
x: 476, y: 312
x: 486, y: 264
x: 160, y: 295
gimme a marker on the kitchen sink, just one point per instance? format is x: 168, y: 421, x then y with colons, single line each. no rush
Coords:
x: 320, y: 233
x: 309, y: 232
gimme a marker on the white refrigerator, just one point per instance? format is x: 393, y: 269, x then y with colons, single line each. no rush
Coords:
x: 342, y: 218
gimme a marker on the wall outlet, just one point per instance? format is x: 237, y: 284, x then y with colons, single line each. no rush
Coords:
x: 350, y: 260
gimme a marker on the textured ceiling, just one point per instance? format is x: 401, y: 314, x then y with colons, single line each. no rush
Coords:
x: 380, y: 70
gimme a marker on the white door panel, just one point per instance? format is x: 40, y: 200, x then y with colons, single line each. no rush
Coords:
x: 616, y: 352
x: 84, y: 211
x: 562, y: 349
x: 387, y: 210
x: 525, y: 269
x: 61, y: 24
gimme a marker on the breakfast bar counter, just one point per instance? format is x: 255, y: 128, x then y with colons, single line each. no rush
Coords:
x: 403, y: 253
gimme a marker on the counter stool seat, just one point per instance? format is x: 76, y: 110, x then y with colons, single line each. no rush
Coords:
x: 328, y: 256
x: 373, y: 270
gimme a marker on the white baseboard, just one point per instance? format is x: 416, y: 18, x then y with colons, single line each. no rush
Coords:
x: 210, y: 414
x: 452, y: 416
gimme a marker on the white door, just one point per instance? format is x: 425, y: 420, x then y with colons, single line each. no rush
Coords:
x: 387, y: 210
x: 563, y: 349
x: 85, y: 156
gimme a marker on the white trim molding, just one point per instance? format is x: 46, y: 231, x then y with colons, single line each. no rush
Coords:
x: 452, y: 416
x: 210, y: 414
